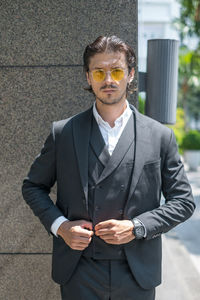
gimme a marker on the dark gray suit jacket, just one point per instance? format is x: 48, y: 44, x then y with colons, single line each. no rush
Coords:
x: 157, y: 168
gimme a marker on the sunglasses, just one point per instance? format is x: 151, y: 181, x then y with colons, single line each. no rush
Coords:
x: 100, y: 75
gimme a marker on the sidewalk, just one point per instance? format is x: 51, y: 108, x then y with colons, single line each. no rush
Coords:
x: 194, y: 179
x: 181, y: 255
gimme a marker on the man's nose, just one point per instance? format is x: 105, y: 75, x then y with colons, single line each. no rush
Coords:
x: 108, y: 78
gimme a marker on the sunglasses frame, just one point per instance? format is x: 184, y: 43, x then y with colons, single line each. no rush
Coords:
x: 106, y: 72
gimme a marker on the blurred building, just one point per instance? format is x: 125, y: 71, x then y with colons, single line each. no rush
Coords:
x: 155, y: 21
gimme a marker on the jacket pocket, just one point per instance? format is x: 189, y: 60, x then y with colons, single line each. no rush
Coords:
x: 148, y: 189
x: 152, y: 165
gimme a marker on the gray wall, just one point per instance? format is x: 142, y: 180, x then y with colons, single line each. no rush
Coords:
x: 41, y: 80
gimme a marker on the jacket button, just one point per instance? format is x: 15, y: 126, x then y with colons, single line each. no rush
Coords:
x: 99, y: 187
x: 97, y: 207
x: 122, y: 187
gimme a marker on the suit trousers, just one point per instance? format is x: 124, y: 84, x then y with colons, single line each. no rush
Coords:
x: 104, y: 280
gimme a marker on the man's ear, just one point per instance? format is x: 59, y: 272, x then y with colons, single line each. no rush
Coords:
x: 131, y: 75
x: 88, y: 78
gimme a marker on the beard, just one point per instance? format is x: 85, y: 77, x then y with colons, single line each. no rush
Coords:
x: 108, y: 100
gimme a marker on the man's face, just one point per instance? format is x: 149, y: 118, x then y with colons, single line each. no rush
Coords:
x: 109, y: 91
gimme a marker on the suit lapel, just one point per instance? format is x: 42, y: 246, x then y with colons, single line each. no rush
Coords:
x: 81, y: 133
x: 97, y: 143
x: 123, y: 145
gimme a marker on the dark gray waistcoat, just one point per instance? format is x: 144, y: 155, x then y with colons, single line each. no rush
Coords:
x: 109, y: 178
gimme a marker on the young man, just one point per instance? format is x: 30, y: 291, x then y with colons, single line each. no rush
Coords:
x: 111, y: 164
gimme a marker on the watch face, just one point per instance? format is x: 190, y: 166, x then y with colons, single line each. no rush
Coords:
x: 139, y: 231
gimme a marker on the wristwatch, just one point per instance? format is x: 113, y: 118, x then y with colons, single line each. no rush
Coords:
x: 138, y: 229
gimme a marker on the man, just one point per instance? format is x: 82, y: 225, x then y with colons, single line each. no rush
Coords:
x: 111, y: 164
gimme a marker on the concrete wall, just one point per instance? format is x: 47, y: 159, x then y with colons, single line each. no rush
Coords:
x: 41, y: 80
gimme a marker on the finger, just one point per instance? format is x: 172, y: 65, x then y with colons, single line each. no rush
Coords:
x: 105, y: 224
x: 86, y: 225
x: 108, y: 236
x: 81, y: 239
x: 79, y: 231
x: 81, y: 242
x: 105, y: 232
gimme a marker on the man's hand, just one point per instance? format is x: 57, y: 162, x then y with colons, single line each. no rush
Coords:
x: 76, y: 234
x: 115, y: 231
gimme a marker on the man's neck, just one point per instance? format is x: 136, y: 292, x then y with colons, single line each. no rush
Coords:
x: 110, y: 113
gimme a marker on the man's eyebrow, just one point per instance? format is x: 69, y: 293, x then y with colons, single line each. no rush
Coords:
x: 117, y: 67
x: 114, y: 67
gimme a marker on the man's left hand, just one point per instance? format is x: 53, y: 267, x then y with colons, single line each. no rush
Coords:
x: 115, y: 231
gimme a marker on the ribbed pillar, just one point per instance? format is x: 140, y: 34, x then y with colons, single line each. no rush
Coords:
x: 162, y: 80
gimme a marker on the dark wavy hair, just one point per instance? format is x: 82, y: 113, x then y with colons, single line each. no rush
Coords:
x: 109, y: 44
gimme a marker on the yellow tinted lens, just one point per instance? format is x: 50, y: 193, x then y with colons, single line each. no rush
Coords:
x: 98, y: 75
x: 117, y: 74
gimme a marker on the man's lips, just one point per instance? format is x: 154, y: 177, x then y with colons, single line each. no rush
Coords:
x: 108, y: 91
x: 108, y: 88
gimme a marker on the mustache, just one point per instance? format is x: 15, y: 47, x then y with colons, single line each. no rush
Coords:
x: 110, y: 86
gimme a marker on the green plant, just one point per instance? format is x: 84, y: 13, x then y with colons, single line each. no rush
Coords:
x: 178, y: 127
x: 191, y: 140
x: 141, y: 106
x: 188, y: 26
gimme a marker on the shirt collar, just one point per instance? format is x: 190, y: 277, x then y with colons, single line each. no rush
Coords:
x: 118, y: 122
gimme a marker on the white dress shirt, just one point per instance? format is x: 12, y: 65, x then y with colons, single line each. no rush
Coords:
x: 110, y: 135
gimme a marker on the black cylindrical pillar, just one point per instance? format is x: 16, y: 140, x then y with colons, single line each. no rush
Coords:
x: 162, y: 80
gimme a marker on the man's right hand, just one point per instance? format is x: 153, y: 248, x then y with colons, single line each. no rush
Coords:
x: 76, y: 234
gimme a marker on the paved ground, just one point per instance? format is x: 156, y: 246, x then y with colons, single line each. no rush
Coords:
x: 181, y: 255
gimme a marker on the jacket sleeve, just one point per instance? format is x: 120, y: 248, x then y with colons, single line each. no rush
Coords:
x: 179, y: 204
x: 37, y: 185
